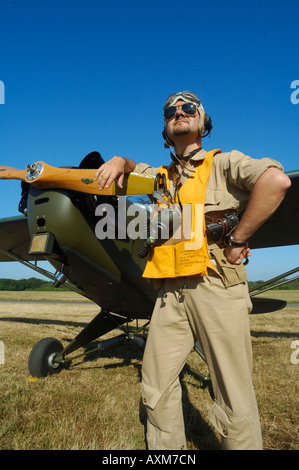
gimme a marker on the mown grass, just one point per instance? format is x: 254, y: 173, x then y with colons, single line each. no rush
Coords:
x: 95, y: 403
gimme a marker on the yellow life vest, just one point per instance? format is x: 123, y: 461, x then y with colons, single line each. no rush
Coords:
x: 187, y: 257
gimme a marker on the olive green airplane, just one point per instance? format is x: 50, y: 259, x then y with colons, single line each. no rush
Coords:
x: 62, y: 208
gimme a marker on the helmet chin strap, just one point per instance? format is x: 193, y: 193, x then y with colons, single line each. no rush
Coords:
x: 176, y: 158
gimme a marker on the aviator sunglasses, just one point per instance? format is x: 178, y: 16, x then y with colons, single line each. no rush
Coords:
x: 188, y: 108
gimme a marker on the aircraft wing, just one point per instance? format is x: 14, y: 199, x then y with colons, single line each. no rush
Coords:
x: 283, y: 227
x: 15, y: 239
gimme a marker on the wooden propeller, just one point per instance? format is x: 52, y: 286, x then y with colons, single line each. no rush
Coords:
x: 44, y: 176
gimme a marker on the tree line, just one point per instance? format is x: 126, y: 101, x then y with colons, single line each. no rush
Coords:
x: 39, y: 284
x: 289, y: 286
x: 31, y: 284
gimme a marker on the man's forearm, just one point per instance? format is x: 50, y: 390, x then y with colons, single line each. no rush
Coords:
x: 114, y: 169
x: 129, y: 165
x: 267, y: 194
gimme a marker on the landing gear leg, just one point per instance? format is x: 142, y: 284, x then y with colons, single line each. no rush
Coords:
x: 48, y: 355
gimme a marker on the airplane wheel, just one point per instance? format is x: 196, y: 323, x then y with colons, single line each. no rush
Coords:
x: 41, y: 359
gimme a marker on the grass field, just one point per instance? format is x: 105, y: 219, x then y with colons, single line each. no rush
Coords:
x: 95, y: 404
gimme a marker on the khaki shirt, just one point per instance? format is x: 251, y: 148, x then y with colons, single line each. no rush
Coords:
x: 231, y: 181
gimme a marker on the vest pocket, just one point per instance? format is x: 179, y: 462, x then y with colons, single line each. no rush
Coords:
x: 162, y: 264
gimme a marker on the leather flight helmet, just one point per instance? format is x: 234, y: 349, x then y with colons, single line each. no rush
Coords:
x: 205, y: 123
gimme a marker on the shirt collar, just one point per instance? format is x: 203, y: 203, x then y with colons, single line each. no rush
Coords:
x: 200, y: 155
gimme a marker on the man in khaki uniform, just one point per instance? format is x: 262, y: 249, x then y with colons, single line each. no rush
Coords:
x: 211, y: 307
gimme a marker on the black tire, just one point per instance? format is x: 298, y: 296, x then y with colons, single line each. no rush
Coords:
x: 40, y: 362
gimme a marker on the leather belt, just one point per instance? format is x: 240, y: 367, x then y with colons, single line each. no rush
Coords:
x: 219, y: 224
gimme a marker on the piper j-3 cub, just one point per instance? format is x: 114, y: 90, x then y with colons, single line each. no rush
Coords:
x: 59, y: 221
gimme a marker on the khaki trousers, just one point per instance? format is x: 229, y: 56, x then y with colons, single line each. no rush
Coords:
x: 187, y: 310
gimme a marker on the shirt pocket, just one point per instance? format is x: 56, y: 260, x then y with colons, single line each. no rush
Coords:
x: 213, y: 197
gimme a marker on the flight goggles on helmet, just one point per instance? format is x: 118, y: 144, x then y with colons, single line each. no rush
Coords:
x: 190, y: 107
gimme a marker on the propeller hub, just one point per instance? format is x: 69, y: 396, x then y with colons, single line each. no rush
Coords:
x: 34, y: 170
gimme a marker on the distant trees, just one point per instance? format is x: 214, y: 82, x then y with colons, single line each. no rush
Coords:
x: 39, y: 284
x: 289, y: 286
x: 26, y: 284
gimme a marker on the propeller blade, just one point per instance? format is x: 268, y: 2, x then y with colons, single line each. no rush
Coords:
x: 44, y: 176
x: 9, y: 173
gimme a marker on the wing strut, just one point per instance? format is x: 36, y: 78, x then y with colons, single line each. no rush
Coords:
x: 42, y: 271
x: 259, y: 288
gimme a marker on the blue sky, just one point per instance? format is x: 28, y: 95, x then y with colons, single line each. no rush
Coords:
x: 93, y: 75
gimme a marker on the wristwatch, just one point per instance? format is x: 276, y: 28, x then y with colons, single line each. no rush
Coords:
x: 231, y: 242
